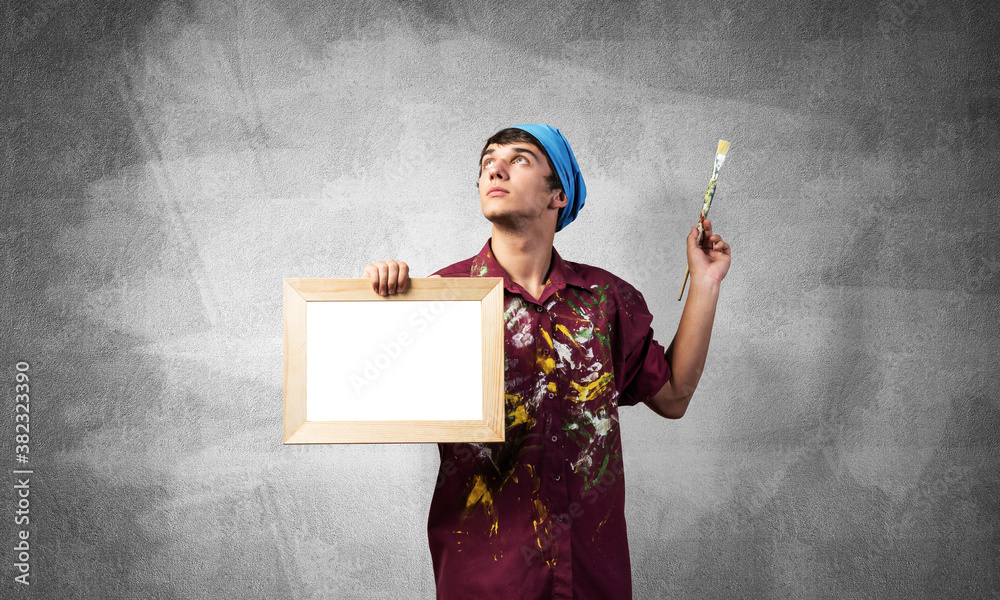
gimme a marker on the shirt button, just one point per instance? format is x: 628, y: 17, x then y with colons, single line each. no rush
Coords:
x: 557, y: 477
x: 555, y: 438
x: 545, y: 352
x: 551, y: 395
x: 538, y: 308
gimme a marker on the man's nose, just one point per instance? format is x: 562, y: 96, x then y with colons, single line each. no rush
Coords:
x: 496, y: 170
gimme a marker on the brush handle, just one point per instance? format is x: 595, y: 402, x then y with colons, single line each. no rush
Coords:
x: 709, y: 194
x: 687, y: 268
x: 683, y: 284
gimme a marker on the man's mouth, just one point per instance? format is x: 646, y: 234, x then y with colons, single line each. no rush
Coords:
x: 496, y: 191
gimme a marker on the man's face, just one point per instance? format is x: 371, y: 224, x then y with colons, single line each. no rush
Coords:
x: 513, y: 186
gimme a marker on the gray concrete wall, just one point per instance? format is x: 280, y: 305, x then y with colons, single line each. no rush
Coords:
x: 166, y: 164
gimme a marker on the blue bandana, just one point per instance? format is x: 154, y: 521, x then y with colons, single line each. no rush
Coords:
x: 565, y: 163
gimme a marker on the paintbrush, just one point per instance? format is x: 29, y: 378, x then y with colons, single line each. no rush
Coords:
x: 720, y: 157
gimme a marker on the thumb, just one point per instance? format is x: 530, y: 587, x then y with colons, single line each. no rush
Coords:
x: 692, y: 239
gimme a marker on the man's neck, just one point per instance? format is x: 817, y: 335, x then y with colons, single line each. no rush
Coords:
x: 527, y: 259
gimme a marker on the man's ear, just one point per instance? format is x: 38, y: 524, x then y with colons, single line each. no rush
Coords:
x: 559, y: 199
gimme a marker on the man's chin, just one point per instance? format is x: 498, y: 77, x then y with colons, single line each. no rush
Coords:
x: 504, y: 219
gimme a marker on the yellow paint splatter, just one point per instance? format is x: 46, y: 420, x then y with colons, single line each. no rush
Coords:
x: 540, y: 512
x: 551, y: 553
x: 594, y: 389
x: 545, y: 336
x: 519, y: 412
x: 569, y: 336
x: 547, y: 363
x: 598, y: 528
x: 481, y: 494
x: 520, y: 416
x: 534, y: 478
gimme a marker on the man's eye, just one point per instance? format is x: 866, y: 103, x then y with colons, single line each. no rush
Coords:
x: 517, y: 158
x: 487, y: 162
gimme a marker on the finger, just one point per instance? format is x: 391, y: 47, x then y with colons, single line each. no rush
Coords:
x: 711, y: 236
x: 371, y: 272
x: 692, y: 239
x: 393, y: 275
x: 383, y: 277
x: 404, y: 276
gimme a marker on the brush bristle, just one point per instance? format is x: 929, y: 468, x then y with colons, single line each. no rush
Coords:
x: 723, y: 147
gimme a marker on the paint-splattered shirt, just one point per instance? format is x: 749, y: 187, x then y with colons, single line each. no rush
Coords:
x: 541, y: 515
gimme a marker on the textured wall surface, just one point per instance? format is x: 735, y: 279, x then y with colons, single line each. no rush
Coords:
x: 165, y: 164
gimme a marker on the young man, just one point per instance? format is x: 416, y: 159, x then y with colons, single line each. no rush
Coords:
x: 541, y: 515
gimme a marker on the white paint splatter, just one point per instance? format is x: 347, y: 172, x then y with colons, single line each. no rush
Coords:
x: 518, y: 321
x: 602, y: 426
x: 541, y: 389
x: 564, y: 353
x: 523, y: 338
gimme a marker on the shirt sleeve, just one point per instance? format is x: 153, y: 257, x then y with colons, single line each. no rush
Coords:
x: 644, y: 362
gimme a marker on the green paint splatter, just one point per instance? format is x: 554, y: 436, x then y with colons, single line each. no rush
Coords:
x: 605, y: 339
x: 602, y: 295
x: 604, y: 467
x: 594, y: 300
x: 573, y: 306
x: 575, y: 434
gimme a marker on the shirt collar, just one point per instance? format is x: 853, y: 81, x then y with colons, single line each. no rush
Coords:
x: 560, y: 274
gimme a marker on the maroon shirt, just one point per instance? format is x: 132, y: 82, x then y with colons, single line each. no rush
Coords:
x: 541, y: 515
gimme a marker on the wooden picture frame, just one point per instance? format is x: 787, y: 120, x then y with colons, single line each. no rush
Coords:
x: 346, y: 415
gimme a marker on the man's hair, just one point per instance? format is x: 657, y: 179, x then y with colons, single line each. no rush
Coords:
x: 512, y: 135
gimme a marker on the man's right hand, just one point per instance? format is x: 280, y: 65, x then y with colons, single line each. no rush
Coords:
x: 388, y: 276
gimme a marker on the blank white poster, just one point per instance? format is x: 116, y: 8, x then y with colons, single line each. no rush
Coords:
x: 402, y: 360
